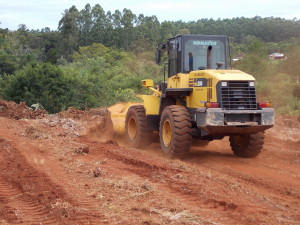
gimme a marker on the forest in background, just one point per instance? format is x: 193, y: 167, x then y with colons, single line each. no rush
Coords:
x: 97, y: 58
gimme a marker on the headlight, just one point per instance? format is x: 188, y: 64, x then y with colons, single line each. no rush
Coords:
x: 224, y: 84
x: 251, y: 84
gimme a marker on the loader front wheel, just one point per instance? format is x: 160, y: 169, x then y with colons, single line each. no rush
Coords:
x: 136, y: 132
x: 175, y: 130
x: 247, y: 146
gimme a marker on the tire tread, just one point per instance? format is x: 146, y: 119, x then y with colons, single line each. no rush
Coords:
x: 182, y: 130
x: 248, y: 146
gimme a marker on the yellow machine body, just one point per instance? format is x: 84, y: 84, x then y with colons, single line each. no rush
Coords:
x: 218, y: 100
x: 201, y: 98
x: 199, y: 94
x: 117, y: 114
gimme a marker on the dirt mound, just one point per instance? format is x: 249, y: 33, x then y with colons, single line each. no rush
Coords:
x: 93, y: 123
x: 19, y: 111
x: 83, y: 114
x: 76, y: 122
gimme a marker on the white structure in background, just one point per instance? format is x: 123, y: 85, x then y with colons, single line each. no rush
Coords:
x: 277, y: 56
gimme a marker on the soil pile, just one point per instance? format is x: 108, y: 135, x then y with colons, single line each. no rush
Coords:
x: 19, y: 111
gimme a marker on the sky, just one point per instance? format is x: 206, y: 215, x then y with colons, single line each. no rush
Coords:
x: 38, y: 14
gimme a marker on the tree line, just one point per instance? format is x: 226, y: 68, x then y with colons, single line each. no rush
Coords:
x: 131, y: 32
x: 96, y: 58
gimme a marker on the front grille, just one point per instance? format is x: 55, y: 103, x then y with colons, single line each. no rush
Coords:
x: 238, y: 95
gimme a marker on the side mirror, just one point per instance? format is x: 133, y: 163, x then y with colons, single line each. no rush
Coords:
x: 160, y: 47
x: 158, y: 56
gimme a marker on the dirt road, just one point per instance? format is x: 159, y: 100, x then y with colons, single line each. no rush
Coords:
x: 58, y: 170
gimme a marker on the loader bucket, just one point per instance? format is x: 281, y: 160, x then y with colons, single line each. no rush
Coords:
x: 116, y: 117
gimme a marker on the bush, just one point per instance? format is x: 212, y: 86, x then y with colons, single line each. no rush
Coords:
x: 41, y: 83
x: 102, y: 76
x: 275, y: 81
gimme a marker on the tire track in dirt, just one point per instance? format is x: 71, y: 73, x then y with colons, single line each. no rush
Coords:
x: 29, y: 196
x: 245, y: 173
x: 22, y: 209
x: 84, y: 210
x: 163, y: 177
x: 219, y: 188
x: 203, y: 204
x: 266, y: 187
x: 211, y: 186
x: 152, y: 172
x: 223, y: 206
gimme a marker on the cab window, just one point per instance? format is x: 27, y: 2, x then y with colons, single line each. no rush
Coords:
x: 203, y: 54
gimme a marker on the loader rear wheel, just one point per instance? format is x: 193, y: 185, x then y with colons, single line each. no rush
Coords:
x: 247, y: 146
x: 175, y: 130
x: 136, y: 132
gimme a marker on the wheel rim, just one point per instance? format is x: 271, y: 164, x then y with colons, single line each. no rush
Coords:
x: 167, y: 133
x: 132, y: 128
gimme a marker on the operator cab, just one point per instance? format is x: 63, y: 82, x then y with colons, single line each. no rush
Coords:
x: 188, y: 53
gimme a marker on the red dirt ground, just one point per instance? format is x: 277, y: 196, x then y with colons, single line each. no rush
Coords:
x: 58, y: 169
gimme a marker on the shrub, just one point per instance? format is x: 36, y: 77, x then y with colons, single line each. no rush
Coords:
x: 41, y: 83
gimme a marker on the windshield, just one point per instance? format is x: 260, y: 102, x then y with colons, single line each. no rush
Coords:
x: 204, y: 54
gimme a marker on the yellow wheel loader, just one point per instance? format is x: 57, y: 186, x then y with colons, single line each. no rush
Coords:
x: 200, y: 99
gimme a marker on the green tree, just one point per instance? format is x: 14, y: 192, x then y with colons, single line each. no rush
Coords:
x: 8, y: 64
x: 149, y: 31
x: 85, y: 24
x: 41, y: 83
x: 116, y: 30
x: 99, y: 24
x: 257, y: 47
x: 128, y: 21
x: 183, y: 31
x: 69, y: 33
x: 167, y: 30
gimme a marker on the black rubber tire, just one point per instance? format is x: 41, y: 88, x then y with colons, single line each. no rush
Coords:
x: 247, y: 146
x: 136, y: 131
x: 175, y: 124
